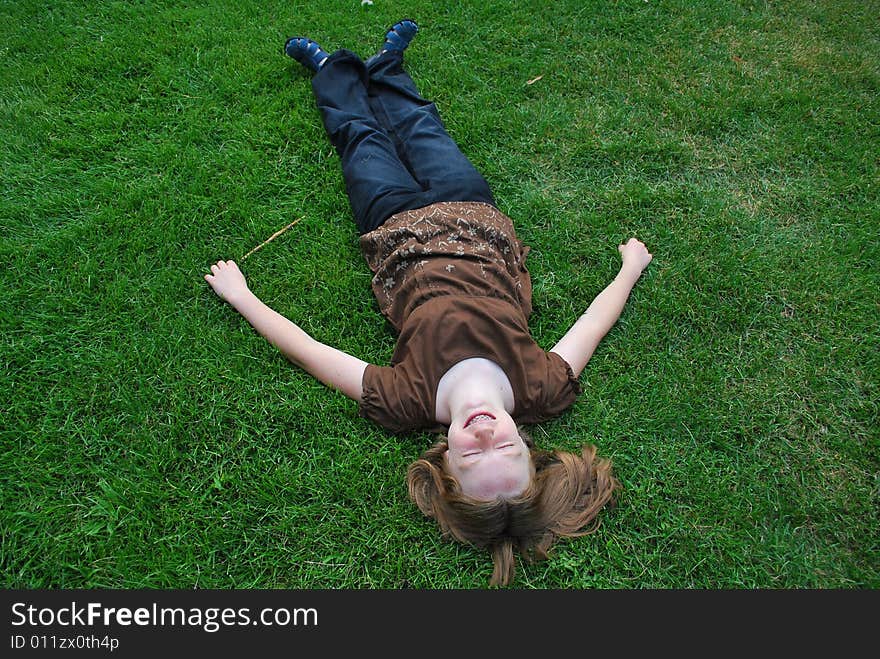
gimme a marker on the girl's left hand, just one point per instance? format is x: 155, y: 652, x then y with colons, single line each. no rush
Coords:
x: 227, y: 281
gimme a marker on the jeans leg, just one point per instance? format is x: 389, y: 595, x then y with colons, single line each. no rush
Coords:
x: 427, y: 149
x: 377, y: 182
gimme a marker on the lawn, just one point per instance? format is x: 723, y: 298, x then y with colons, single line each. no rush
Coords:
x: 151, y: 439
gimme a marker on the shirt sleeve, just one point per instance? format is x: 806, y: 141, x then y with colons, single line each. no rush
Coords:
x: 389, y: 400
x: 552, y: 388
x: 564, y: 386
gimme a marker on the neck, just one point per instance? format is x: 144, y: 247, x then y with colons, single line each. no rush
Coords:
x: 478, y: 384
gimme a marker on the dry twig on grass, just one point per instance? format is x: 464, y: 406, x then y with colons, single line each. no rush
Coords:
x: 270, y: 239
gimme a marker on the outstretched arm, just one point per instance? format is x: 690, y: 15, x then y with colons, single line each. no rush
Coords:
x: 333, y: 367
x: 579, y: 343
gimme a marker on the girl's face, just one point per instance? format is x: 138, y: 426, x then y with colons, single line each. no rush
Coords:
x: 487, y: 456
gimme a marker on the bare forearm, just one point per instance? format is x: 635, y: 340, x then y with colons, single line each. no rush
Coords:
x: 578, y: 344
x: 331, y: 366
x: 606, y: 308
x: 281, y: 332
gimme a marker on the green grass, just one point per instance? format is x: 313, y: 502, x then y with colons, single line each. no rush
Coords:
x: 150, y: 439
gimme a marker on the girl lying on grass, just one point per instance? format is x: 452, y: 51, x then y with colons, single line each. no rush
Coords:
x: 450, y: 276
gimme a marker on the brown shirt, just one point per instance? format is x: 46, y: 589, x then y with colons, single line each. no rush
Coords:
x: 451, y: 278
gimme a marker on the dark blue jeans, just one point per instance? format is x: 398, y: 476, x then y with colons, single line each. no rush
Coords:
x: 395, y: 151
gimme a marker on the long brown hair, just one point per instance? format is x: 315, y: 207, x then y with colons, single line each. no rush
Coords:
x: 563, y: 499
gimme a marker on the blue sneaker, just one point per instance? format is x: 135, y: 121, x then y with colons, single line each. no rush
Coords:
x: 400, y: 34
x: 306, y: 52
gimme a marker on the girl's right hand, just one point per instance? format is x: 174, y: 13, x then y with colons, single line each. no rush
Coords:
x: 635, y: 255
x: 227, y: 281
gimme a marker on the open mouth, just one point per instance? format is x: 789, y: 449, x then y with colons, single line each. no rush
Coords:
x: 479, y: 417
